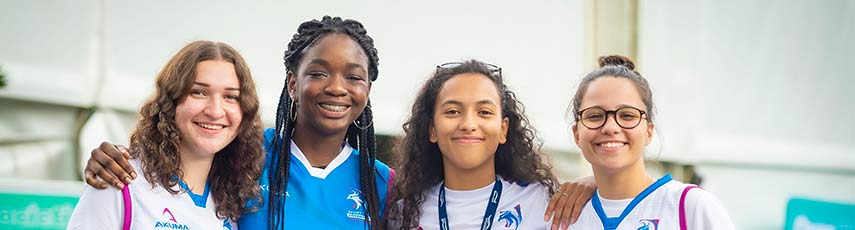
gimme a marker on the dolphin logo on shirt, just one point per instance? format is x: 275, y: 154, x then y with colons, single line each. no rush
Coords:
x: 357, y: 202
x: 511, y: 218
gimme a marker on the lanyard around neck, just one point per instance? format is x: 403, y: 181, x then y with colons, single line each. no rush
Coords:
x: 489, y: 213
x: 613, y: 222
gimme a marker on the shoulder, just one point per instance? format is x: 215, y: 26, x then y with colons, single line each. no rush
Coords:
x: 97, y: 209
x: 702, y: 209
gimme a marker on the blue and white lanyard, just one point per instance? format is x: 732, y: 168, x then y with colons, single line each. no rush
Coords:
x: 610, y: 223
x: 489, y: 214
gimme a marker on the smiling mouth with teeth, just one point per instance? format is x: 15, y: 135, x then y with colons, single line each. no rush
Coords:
x: 209, y: 126
x: 334, y: 108
x: 611, y: 144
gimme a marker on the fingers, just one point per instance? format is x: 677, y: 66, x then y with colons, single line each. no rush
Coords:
x: 560, y: 208
x: 123, y: 161
x: 552, y: 201
x: 96, y: 164
x: 585, y: 194
x: 112, y: 159
x: 89, y: 176
x: 572, y: 204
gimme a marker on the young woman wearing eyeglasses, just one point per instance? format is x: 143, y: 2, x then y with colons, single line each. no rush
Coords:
x: 613, y: 123
x: 470, y: 158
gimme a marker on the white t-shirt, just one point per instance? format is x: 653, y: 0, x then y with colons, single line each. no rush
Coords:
x: 660, y: 210
x: 152, y: 208
x: 520, y: 207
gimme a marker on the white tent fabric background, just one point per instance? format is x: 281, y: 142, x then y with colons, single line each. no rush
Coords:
x: 755, y: 94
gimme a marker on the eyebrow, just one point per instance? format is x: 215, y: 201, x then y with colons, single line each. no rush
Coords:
x: 325, y: 63
x: 207, y: 85
x: 458, y: 103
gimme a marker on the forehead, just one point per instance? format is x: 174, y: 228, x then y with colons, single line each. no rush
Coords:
x: 217, y: 73
x: 468, y: 88
x: 336, y: 47
x: 612, y: 92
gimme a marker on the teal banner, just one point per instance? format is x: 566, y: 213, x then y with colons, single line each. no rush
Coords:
x: 18, y: 211
x: 803, y: 214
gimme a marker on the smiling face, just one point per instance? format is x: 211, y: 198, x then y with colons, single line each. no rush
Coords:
x: 611, y: 148
x: 331, y: 86
x: 209, y: 116
x: 467, y: 122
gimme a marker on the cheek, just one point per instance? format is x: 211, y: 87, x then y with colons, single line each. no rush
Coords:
x: 235, y: 113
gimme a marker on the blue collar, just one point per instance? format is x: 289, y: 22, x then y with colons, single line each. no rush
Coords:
x: 199, y: 200
x: 613, y: 222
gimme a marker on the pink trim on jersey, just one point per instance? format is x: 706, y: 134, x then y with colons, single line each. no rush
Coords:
x: 683, y: 206
x: 126, y: 197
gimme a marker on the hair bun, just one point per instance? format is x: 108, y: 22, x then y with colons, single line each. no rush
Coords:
x: 616, y: 60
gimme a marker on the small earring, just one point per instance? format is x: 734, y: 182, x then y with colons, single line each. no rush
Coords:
x: 362, y: 127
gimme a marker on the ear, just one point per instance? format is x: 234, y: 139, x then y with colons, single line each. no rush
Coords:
x: 292, y: 85
x: 575, y: 128
x: 650, y: 128
x: 432, y: 131
x: 504, y: 137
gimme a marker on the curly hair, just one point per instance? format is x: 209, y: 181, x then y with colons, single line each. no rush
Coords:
x: 362, y: 139
x: 234, y: 174
x: 517, y: 160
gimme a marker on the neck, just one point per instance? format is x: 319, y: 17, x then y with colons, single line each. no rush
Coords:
x: 320, y: 149
x: 622, y: 184
x: 469, y: 179
x: 196, y: 171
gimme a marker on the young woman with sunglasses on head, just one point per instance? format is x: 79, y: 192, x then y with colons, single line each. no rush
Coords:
x: 613, y: 123
x: 321, y: 170
x: 469, y: 158
x: 198, y: 145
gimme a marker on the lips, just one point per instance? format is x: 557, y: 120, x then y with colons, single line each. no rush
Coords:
x: 468, y: 139
x: 209, y: 126
x: 334, y: 108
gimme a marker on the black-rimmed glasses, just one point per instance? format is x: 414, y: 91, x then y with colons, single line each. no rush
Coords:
x: 596, y: 117
x: 496, y: 70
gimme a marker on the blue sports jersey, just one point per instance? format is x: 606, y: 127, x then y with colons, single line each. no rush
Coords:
x: 319, y: 198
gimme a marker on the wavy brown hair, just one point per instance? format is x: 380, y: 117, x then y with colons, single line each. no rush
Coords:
x: 517, y: 160
x: 233, y: 179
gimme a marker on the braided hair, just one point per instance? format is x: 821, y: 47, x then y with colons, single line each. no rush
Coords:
x: 360, y: 137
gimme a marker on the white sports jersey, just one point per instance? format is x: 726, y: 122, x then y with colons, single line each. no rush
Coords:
x: 520, y: 207
x: 152, y: 208
x: 660, y: 210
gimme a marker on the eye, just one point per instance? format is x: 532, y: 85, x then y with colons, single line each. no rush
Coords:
x: 355, y: 77
x: 628, y: 116
x: 452, y: 112
x: 198, y: 92
x: 485, y: 112
x: 232, y: 97
x: 317, y: 74
x: 593, y: 116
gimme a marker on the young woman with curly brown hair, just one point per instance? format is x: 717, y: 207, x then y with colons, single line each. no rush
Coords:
x: 197, y: 144
x: 470, y: 150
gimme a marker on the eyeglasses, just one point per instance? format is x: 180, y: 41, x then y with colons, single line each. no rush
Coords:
x: 596, y: 117
x: 496, y: 70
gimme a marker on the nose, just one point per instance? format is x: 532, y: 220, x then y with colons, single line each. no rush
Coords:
x: 214, y: 108
x: 335, y: 86
x: 611, y: 126
x: 469, y: 123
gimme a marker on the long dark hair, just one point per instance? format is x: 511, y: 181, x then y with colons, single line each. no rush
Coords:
x: 517, y: 160
x: 237, y: 167
x: 362, y: 139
